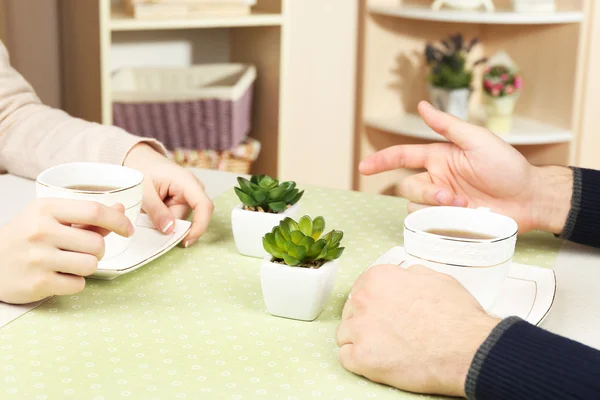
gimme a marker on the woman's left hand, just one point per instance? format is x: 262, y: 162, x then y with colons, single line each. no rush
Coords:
x: 170, y: 192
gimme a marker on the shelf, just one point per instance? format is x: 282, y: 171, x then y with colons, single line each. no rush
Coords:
x: 525, y: 131
x: 120, y: 21
x: 479, y: 17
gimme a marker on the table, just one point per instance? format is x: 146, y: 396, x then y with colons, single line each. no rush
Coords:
x: 234, y: 350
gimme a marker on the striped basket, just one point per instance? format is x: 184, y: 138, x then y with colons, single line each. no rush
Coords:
x: 205, y: 107
x: 238, y: 160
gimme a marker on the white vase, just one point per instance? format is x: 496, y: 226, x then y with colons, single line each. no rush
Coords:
x: 296, y: 292
x: 465, y: 5
x: 249, y: 227
x: 532, y: 6
x: 455, y: 102
x: 499, y: 112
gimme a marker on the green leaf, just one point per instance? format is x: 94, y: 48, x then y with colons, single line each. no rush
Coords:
x: 284, y: 231
x: 287, y: 245
x: 260, y: 196
x: 296, y: 198
x: 307, y: 243
x: 328, y: 236
x: 297, y: 236
x: 306, y: 225
x: 289, y: 260
x: 266, y: 182
x: 316, y: 249
x: 244, y: 185
x: 293, y: 225
x: 334, y: 254
x: 290, y: 195
x: 278, y: 206
x: 256, y: 178
x: 323, y: 253
x: 296, y: 251
x: 335, y: 239
x: 279, y: 239
x: 270, y: 249
x: 247, y: 200
x: 270, y: 238
x: 318, y: 227
x: 280, y: 191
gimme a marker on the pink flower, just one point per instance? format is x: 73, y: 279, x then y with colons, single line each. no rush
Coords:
x: 518, y: 82
x: 498, y: 87
x: 487, y: 83
x: 495, y: 91
x: 504, y: 77
x: 509, y: 89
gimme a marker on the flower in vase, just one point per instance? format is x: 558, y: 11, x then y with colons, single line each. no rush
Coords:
x: 504, y: 77
x: 509, y: 89
x: 518, y: 82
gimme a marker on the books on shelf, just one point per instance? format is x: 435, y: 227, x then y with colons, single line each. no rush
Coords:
x: 161, y: 9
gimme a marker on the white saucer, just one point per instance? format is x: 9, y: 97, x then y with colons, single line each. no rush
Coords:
x: 146, y: 245
x: 528, y: 291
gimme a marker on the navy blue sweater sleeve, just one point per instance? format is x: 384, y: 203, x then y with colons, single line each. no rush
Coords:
x: 583, y: 222
x: 520, y: 361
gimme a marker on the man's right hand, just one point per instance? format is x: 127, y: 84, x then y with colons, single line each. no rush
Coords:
x: 44, y: 250
x: 477, y: 169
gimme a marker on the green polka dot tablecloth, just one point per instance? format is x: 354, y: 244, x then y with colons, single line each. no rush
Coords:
x: 193, y: 325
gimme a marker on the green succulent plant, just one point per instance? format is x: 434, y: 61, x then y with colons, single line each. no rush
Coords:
x: 265, y: 194
x: 300, y: 244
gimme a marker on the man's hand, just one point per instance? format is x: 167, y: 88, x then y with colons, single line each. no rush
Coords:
x: 413, y: 329
x: 477, y: 169
x: 170, y: 192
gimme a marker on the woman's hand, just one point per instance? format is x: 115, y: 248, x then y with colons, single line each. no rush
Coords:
x: 42, y: 254
x: 477, y: 169
x: 170, y: 192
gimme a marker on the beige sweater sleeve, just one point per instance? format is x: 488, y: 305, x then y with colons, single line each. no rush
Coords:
x: 34, y: 137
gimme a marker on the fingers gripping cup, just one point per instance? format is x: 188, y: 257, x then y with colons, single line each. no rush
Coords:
x: 107, y: 184
x: 475, y: 246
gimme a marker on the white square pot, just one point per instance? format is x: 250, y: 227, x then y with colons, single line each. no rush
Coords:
x: 249, y: 227
x: 296, y: 292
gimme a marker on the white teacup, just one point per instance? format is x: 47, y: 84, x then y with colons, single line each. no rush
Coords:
x: 479, y: 264
x: 126, y: 188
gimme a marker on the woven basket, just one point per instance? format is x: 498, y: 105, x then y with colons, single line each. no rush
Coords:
x: 205, y: 107
x: 238, y: 160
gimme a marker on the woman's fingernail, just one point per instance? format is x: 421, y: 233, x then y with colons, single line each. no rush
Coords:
x: 166, y: 226
x: 441, y: 197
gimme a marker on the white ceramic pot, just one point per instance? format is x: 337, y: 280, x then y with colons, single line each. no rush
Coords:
x: 249, y: 227
x: 455, y: 102
x: 127, y: 184
x: 467, y: 5
x: 532, y: 6
x: 296, y: 292
x: 499, y: 112
x: 480, y: 265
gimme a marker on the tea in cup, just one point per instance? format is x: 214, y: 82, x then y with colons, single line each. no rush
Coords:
x: 107, y: 184
x: 475, y: 246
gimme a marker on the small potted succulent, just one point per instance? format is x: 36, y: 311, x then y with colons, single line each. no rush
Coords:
x: 298, y: 274
x: 449, y: 76
x: 264, y: 203
x: 501, y: 88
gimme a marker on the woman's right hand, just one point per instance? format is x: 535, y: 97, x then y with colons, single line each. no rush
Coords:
x: 45, y: 250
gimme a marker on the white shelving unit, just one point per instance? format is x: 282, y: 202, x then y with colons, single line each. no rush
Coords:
x: 547, y: 47
x: 120, y: 21
x: 524, y: 132
x: 424, y: 13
